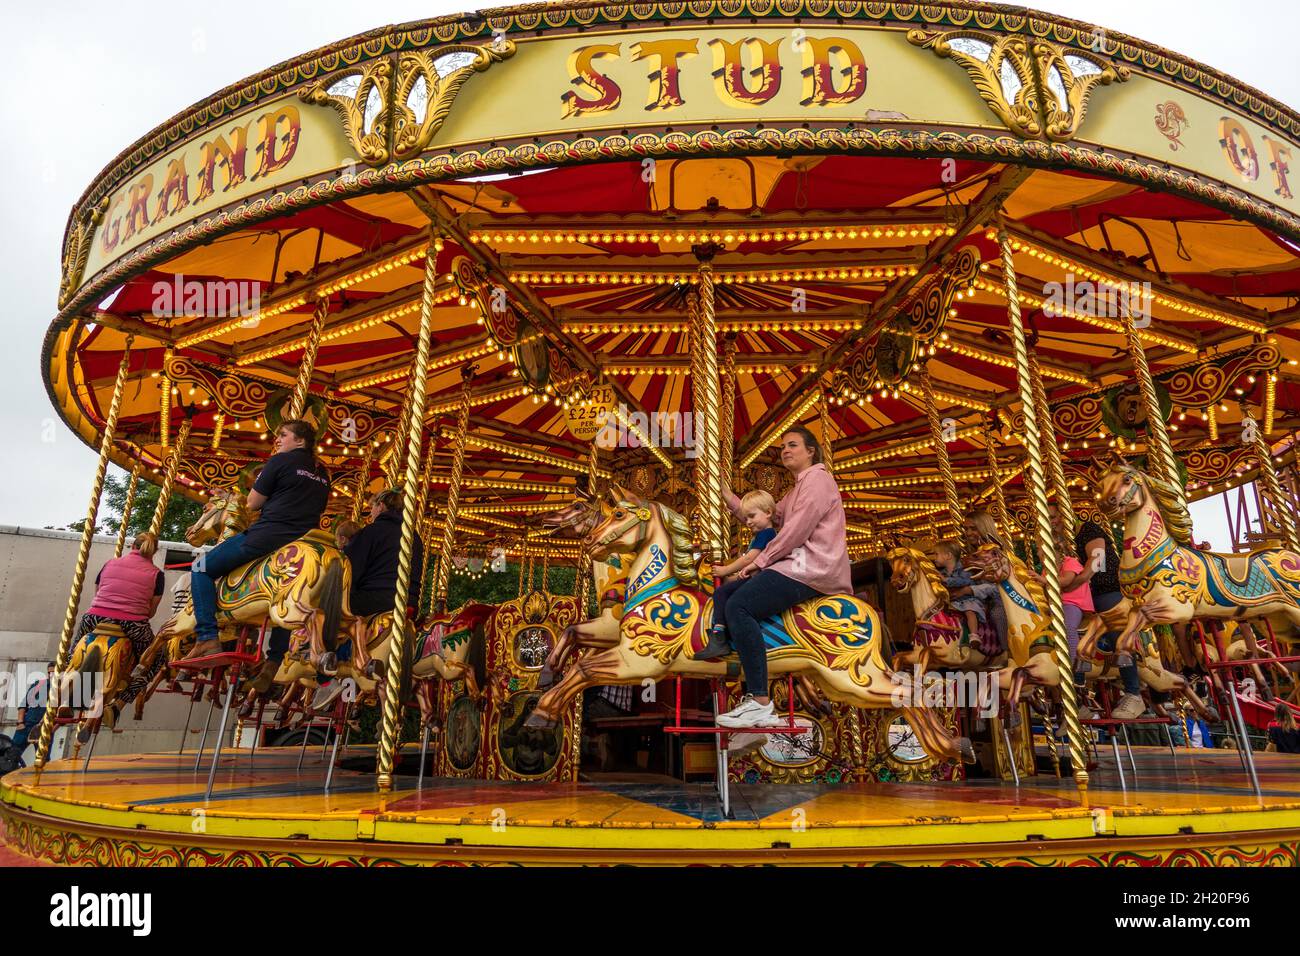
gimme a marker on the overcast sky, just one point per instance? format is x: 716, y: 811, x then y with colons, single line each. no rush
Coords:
x: 89, y: 78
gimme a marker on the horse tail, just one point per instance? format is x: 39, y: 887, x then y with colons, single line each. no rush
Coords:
x: 331, y: 604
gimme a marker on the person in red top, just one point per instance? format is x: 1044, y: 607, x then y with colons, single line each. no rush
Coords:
x: 809, y: 556
x: 127, y: 593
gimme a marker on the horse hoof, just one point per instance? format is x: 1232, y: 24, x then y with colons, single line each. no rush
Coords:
x: 545, y: 677
x: 537, y: 721
x: 967, y: 751
x: 329, y: 664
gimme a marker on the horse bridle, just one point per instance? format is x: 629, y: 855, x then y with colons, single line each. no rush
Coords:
x: 638, y: 516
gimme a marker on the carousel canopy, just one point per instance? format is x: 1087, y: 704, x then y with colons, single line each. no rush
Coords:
x: 839, y: 171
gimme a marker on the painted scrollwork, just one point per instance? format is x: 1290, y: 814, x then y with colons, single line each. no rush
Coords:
x: 1070, y: 77
x: 236, y: 395
x: 392, y: 108
x: 76, y: 251
x: 927, y: 311
x: 1001, y: 69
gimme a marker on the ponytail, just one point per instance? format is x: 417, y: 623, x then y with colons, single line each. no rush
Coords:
x: 146, y: 544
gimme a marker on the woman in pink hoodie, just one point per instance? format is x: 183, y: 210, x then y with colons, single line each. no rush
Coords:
x: 809, y: 556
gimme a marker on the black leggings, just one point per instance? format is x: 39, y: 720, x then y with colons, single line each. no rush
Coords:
x: 764, y: 595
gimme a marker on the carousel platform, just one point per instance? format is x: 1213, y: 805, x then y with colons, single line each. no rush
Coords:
x: 147, y: 810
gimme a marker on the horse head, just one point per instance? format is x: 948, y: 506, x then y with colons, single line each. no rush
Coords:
x: 581, y: 515
x: 624, y: 527
x: 1124, y: 490
x: 222, y: 516
x: 989, y: 563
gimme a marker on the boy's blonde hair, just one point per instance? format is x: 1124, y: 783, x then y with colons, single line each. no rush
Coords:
x: 759, y: 499
x: 951, y: 547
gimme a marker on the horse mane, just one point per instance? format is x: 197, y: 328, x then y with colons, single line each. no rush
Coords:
x: 679, y: 531
x: 1178, y: 521
x: 927, y: 568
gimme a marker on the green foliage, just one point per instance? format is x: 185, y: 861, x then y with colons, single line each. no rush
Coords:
x: 181, y: 511
x: 497, y: 587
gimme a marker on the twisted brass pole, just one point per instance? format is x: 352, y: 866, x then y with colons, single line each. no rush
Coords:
x: 523, y: 567
x: 165, y: 404
x: 1160, y: 452
x: 712, y: 507
x: 824, y: 425
x: 1037, y: 486
x: 546, y: 571
x: 307, y: 364
x: 941, y: 449
x: 83, y: 553
x: 392, y: 458
x: 169, y: 477
x: 1273, y: 491
x: 363, y: 482
x: 1000, y: 513
x: 450, y: 513
x: 127, y: 508
x: 397, y: 634
x: 727, y: 429
x: 1055, y: 469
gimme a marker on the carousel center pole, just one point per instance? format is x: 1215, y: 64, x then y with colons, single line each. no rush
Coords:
x: 940, y: 451
x: 169, y: 477
x: 1160, y: 452
x: 127, y: 508
x: 1037, y: 486
x: 392, y: 711
x: 83, y: 554
x: 302, y: 387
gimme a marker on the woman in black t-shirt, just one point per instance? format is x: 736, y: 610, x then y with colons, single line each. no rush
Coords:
x: 1096, y: 552
x: 1283, y: 736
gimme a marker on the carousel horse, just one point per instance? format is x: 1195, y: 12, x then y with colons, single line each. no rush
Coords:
x: 666, y: 615
x: 942, y: 637
x: 302, y: 587
x: 1029, y: 642
x: 1169, y: 582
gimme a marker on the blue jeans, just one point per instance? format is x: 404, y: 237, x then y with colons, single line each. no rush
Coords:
x: 720, y: 595
x: 764, y: 595
x: 204, y: 572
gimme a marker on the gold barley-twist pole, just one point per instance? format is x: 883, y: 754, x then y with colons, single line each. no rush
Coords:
x: 712, y: 507
x: 1037, y: 485
x: 1273, y: 491
x: 824, y: 426
x: 392, y: 457
x: 1160, y: 457
x: 941, y: 449
x: 523, y: 568
x: 727, y: 423
x: 546, y: 571
x: 363, y: 482
x: 169, y: 477
x: 586, y: 573
x: 451, y: 511
x: 83, y: 552
x: 127, y: 508
x: 1055, y: 468
x: 397, y: 636
x: 307, y: 365
x: 1000, y: 512
x: 699, y: 523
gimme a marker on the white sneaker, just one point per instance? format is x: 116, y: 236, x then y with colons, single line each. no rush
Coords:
x: 1130, y: 706
x: 749, y: 713
x: 742, y: 744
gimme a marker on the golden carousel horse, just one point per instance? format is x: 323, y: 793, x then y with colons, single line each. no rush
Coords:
x: 302, y: 586
x: 941, y: 639
x: 1169, y: 582
x: 836, y: 638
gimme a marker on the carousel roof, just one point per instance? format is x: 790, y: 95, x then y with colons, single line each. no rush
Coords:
x: 822, y: 259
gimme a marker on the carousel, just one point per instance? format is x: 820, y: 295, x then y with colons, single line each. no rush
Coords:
x: 562, y: 275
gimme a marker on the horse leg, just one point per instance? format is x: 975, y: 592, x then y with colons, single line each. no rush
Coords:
x: 590, y: 670
x: 559, y: 654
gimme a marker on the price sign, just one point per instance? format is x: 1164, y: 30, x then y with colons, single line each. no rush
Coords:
x: 585, y: 420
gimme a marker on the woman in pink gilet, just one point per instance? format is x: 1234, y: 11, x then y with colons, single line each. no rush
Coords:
x: 127, y: 592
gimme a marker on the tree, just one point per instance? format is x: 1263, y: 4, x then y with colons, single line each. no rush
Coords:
x: 181, y: 511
